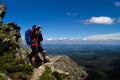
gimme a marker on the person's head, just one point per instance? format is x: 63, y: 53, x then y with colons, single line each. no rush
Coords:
x: 34, y: 26
x: 39, y: 27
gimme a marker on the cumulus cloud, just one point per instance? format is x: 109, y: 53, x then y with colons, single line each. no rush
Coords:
x: 99, y: 20
x: 117, y: 4
x: 112, y: 36
x: 71, y: 14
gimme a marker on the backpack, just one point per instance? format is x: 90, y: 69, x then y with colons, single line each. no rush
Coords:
x: 27, y: 37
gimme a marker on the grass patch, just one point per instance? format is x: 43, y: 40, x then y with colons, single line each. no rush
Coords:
x: 49, y: 75
x: 15, y: 69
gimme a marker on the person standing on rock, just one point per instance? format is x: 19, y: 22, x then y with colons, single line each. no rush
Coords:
x: 36, y: 47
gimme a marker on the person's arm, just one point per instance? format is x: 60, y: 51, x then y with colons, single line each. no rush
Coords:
x: 40, y: 37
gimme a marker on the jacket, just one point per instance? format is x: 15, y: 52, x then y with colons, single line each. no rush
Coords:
x: 34, y: 37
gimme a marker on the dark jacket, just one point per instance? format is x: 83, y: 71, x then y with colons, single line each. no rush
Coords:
x: 36, y: 36
x: 40, y: 37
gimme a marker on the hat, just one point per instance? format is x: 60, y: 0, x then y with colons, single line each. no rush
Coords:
x: 39, y: 26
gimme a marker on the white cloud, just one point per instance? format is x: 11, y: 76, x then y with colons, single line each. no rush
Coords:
x: 117, y: 4
x: 71, y: 14
x: 50, y: 39
x: 112, y: 36
x: 99, y: 20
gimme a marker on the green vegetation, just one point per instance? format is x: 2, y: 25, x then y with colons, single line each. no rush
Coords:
x: 49, y: 75
x: 1, y: 78
x: 11, y: 54
x: 16, y: 69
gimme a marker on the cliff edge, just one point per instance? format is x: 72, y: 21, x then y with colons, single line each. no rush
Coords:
x: 59, y: 67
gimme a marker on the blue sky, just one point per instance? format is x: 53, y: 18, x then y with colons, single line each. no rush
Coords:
x: 67, y: 19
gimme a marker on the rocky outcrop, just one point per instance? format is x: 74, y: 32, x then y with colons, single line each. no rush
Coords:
x: 10, y: 37
x: 2, y: 12
x: 63, y: 65
x: 12, y: 53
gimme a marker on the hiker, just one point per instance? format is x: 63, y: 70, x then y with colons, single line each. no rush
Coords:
x: 36, y: 47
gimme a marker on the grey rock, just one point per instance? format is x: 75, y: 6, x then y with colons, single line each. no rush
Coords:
x: 65, y: 65
x: 2, y: 12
